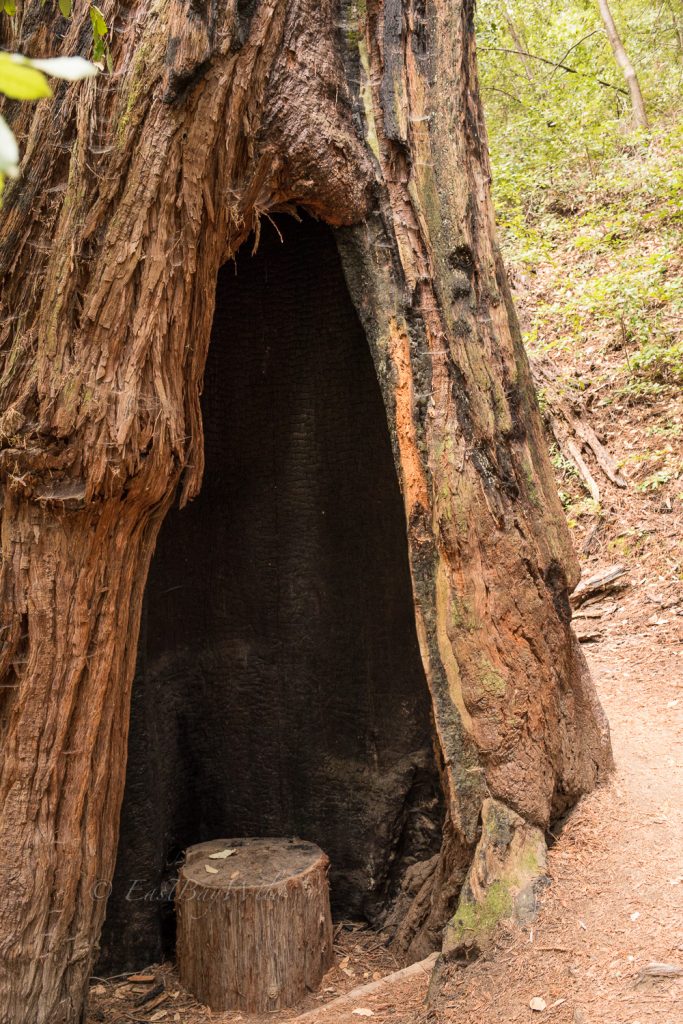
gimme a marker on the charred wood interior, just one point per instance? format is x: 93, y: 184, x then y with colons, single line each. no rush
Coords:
x: 279, y: 688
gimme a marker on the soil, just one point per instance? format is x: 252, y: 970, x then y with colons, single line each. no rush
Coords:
x: 360, y: 958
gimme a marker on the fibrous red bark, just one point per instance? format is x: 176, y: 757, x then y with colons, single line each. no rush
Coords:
x: 136, y: 188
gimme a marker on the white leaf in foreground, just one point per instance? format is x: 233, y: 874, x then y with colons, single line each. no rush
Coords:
x: 222, y: 854
x: 211, y: 870
x: 9, y: 151
x: 71, y: 69
x: 538, y: 1004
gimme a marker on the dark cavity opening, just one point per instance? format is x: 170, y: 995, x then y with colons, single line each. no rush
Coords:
x: 279, y: 688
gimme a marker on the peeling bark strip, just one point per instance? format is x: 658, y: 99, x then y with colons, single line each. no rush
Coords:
x: 136, y: 188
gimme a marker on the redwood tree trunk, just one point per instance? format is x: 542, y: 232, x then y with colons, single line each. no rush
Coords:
x: 136, y: 188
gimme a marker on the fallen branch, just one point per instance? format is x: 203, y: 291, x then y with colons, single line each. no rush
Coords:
x: 573, y: 434
x: 658, y: 970
x: 356, y: 996
x: 602, y: 582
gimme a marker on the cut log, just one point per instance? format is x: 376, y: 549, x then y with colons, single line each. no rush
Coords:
x: 254, y: 922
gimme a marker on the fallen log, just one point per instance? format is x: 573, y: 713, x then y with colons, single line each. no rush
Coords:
x: 573, y: 434
x: 602, y: 582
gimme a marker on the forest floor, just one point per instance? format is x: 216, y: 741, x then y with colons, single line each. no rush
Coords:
x: 616, y: 900
x: 598, y: 277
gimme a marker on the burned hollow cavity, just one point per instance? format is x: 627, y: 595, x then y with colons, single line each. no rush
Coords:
x: 279, y: 689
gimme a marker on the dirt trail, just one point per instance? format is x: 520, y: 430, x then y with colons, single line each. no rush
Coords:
x: 616, y: 901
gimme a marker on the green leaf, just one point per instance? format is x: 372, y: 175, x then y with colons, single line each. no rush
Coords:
x: 65, y: 6
x: 9, y: 151
x: 99, y: 25
x: 10, y: 7
x: 20, y: 81
x: 71, y: 69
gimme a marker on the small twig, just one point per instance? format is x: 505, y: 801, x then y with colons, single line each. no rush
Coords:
x: 624, y: 344
x: 544, y: 60
x: 504, y: 92
x: 154, y: 992
x: 570, y: 50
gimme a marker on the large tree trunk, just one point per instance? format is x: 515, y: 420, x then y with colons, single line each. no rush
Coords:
x: 135, y: 189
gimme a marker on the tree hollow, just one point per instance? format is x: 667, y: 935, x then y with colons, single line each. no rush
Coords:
x: 279, y: 688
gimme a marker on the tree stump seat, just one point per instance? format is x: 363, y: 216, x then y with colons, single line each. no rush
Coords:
x: 254, y: 922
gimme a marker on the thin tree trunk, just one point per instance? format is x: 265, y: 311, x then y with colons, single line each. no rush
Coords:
x: 623, y: 60
x: 519, y: 41
x: 136, y: 188
x: 677, y: 25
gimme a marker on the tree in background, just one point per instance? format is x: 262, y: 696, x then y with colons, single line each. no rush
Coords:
x: 574, y: 110
x: 624, y: 62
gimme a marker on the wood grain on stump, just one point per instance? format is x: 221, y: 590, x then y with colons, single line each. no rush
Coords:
x: 254, y: 922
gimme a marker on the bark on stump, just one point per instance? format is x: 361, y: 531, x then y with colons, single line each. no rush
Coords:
x: 254, y: 925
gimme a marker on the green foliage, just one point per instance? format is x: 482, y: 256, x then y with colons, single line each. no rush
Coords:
x: 561, y: 464
x: 591, y: 213
x: 655, y: 481
x: 565, y: 107
x: 19, y: 80
x: 101, y: 51
x: 612, y: 268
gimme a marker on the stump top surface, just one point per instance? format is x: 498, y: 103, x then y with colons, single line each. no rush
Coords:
x: 254, y: 862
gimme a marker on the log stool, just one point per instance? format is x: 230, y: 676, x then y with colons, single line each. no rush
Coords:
x: 254, y: 922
